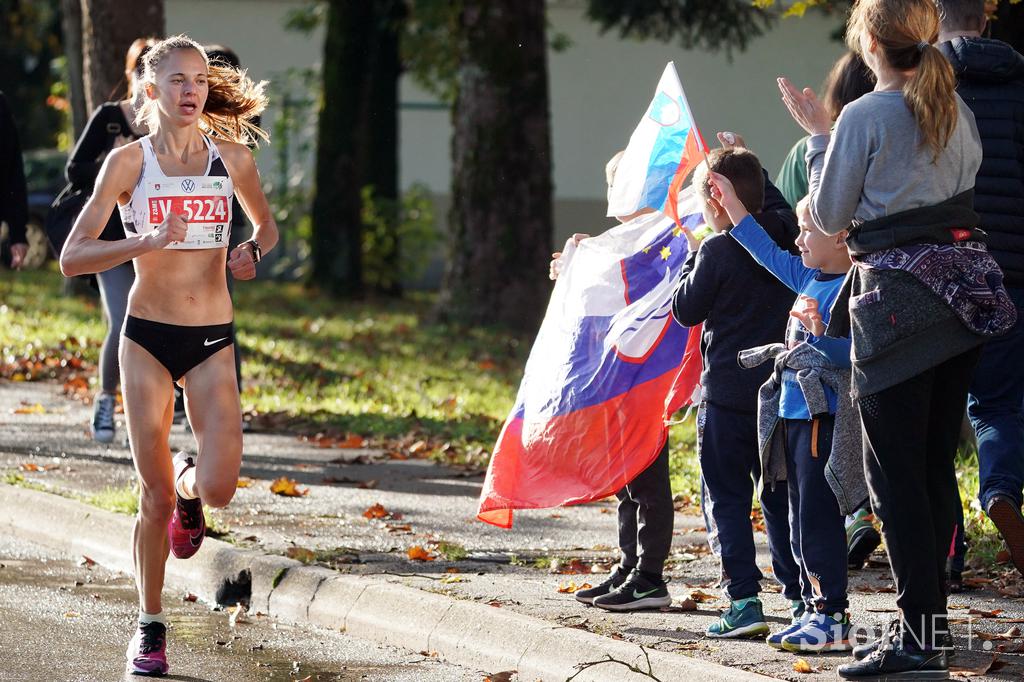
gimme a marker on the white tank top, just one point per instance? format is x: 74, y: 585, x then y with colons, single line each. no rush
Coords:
x: 204, y: 200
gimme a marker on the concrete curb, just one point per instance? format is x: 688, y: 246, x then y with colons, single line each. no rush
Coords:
x: 462, y: 632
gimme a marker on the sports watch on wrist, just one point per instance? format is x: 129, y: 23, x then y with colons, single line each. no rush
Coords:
x: 257, y: 253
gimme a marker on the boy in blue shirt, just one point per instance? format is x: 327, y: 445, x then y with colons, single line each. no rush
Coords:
x: 817, y: 522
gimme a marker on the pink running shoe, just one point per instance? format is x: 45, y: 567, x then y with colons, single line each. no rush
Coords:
x: 147, y: 652
x: 187, y: 526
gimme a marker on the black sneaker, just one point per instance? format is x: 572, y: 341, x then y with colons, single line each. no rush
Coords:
x: 617, y: 577
x: 638, y: 592
x: 890, y: 660
x: 1006, y: 516
x: 864, y: 650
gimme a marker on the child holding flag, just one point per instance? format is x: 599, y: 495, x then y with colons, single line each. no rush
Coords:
x: 801, y: 406
x: 741, y: 305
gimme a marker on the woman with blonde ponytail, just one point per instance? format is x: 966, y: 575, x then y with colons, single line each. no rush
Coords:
x: 898, y: 171
x: 175, y: 188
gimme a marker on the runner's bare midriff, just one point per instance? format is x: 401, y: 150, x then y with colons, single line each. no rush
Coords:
x: 181, y: 287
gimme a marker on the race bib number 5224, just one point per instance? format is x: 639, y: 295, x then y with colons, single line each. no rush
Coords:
x: 204, y: 202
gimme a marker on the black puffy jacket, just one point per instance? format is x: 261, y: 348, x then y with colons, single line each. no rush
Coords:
x: 990, y: 77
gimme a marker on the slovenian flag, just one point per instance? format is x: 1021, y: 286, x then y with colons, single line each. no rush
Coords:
x: 606, y: 372
x: 665, y: 147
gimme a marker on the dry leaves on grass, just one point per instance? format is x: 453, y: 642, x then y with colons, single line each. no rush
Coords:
x: 288, y: 487
x: 417, y: 553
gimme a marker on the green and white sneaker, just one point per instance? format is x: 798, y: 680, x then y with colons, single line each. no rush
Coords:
x: 745, y: 618
x: 638, y: 592
x: 617, y: 577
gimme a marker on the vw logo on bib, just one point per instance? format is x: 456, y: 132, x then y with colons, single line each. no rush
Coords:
x: 204, y: 203
x: 188, y: 186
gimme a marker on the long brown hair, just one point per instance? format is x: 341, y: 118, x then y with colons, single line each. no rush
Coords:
x: 849, y: 79
x: 232, y: 102
x: 906, y: 31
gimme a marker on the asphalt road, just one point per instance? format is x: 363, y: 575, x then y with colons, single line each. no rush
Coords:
x: 63, y: 620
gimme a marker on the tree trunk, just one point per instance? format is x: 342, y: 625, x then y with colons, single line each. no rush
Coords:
x: 108, y: 29
x: 357, y: 139
x: 71, y: 23
x: 378, y: 138
x: 501, y: 219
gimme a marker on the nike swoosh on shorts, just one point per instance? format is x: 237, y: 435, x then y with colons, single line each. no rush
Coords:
x: 207, y: 342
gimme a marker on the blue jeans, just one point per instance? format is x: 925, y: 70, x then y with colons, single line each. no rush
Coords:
x: 996, y: 408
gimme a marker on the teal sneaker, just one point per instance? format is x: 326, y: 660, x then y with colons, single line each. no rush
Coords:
x: 861, y: 538
x: 740, y: 621
x: 801, y: 616
x: 821, y: 633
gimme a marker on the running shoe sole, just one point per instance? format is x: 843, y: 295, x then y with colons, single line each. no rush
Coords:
x: 864, y: 543
x: 908, y: 675
x: 752, y: 630
x: 103, y: 435
x: 1010, y: 524
x: 638, y: 605
x: 142, y: 672
x: 844, y: 645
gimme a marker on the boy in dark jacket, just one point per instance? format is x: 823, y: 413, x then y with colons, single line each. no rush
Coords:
x: 990, y: 77
x: 741, y: 306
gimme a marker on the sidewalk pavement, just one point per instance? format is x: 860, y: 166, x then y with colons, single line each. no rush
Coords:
x: 487, y: 598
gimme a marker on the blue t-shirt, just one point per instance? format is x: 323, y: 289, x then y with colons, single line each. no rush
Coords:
x: 805, y: 281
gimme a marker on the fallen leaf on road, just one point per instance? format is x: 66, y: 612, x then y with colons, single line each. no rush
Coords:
x: 573, y: 567
x: 506, y: 676
x: 72, y: 614
x: 243, y: 483
x: 450, y: 569
x: 189, y: 597
x: 367, y: 485
x: 571, y: 587
x: 30, y: 409
x: 301, y: 554
x: 802, y: 666
x: 377, y: 511
x: 985, y: 614
x: 701, y: 597
x: 31, y: 467
x: 448, y: 579
x: 351, y: 441
x: 399, y: 528
x: 417, y: 553
x: 983, y: 668
x: 287, y: 487
x: 495, y: 603
x: 86, y: 561
x: 688, y: 605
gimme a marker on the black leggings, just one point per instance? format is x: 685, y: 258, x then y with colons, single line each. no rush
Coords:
x: 911, y: 432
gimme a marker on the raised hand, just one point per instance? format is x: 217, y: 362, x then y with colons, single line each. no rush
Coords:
x: 805, y: 108
x: 729, y: 140
x: 555, y: 266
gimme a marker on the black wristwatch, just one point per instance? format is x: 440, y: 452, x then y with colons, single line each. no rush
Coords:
x: 257, y: 253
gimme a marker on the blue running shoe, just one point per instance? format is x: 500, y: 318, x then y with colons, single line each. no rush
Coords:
x: 799, y: 620
x: 740, y: 621
x: 821, y: 633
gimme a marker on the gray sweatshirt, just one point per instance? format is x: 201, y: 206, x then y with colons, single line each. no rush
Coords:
x: 874, y: 164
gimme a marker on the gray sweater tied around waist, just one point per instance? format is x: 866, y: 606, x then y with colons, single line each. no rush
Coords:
x: 845, y: 468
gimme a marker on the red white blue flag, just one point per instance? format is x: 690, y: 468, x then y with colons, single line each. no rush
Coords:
x: 607, y: 370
